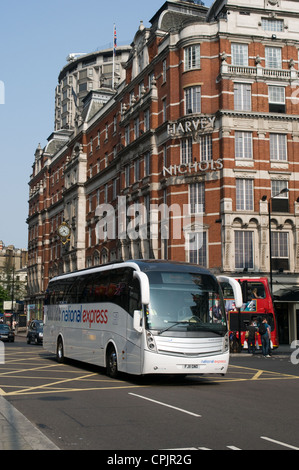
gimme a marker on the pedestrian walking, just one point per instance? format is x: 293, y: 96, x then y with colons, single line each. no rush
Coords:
x: 264, y: 331
x: 251, y: 337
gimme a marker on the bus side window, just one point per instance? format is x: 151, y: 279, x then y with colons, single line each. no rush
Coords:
x: 134, y: 297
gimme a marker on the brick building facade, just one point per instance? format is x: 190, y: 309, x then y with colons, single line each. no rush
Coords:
x: 205, y: 129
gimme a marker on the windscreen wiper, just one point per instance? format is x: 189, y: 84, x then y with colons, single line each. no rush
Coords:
x: 173, y: 323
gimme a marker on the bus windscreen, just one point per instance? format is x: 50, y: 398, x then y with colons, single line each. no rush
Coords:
x: 185, y: 302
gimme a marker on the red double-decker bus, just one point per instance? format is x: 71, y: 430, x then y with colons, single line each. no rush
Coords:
x: 257, y: 305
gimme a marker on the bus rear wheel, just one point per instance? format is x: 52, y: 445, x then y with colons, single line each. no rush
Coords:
x: 112, y: 370
x: 59, y: 351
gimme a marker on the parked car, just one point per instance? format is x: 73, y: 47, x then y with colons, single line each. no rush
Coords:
x: 6, y: 334
x: 35, y: 332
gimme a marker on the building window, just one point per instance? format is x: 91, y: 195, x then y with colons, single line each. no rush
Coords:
x: 140, y: 61
x: 277, y: 99
x: 104, y: 256
x: 137, y: 170
x: 114, y: 189
x: 127, y: 135
x: 240, y: 54
x: 273, y: 58
x: 244, y: 195
x: 206, y: 148
x: 82, y: 87
x: 280, y: 202
x: 193, y: 100
x: 272, y: 25
x: 243, y: 249
x: 243, y: 145
x: 242, y: 97
x: 197, y: 198
x: 147, y: 164
x: 192, y: 57
x: 186, y: 151
x: 96, y: 259
x: 278, y: 147
x: 280, y: 250
x: 277, y: 186
x: 197, y: 248
x: 136, y: 127
x: 164, y: 70
x: 146, y: 120
x: 127, y: 175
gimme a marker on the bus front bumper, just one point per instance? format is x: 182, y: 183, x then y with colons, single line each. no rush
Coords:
x: 155, y: 363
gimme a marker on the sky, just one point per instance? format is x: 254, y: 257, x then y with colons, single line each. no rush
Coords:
x: 35, y: 38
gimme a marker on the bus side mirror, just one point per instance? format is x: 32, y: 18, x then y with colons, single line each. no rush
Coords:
x: 137, y: 316
x: 236, y: 289
x: 144, y: 286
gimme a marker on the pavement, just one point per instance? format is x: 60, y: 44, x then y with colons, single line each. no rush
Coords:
x: 18, y: 433
x: 284, y: 350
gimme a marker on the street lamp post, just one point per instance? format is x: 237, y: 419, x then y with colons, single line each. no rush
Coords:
x: 264, y: 198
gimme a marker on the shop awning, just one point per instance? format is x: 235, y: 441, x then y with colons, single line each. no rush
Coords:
x: 287, y: 295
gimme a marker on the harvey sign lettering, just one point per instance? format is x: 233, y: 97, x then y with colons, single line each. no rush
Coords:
x: 188, y: 126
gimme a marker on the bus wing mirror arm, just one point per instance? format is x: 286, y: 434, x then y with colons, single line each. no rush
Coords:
x: 144, y: 286
x: 137, y: 325
x: 236, y: 288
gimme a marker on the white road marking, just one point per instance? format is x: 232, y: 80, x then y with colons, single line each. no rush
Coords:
x: 279, y: 443
x: 165, y: 404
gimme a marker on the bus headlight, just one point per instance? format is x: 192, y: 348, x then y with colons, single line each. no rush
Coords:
x: 150, y: 342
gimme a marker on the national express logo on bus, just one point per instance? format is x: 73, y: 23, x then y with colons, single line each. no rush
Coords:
x: 90, y: 315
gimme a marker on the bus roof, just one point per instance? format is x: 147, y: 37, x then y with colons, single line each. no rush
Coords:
x: 139, y: 265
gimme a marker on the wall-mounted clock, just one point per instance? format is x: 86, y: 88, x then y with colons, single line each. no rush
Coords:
x: 64, y: 232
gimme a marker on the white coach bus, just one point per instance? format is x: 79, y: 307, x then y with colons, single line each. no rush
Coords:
x: 140, y: 317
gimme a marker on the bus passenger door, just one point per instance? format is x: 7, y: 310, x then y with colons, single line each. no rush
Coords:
x: 134, y: 347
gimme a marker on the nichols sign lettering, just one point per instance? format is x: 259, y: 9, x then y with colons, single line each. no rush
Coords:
x: 183, y: 168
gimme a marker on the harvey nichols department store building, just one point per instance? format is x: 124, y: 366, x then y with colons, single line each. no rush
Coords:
x: 186, y: 155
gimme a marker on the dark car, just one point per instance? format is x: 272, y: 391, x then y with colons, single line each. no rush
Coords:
x: 35, y: 332
x: 6, y: 334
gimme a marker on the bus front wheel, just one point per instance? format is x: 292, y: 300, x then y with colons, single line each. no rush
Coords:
x: 112, y: 370
x: 59, y: 351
